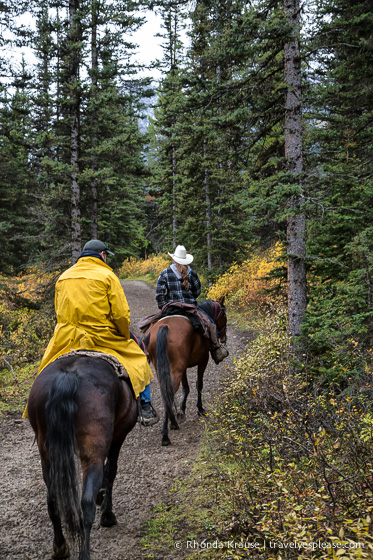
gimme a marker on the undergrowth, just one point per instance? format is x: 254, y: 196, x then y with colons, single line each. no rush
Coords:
x: 147, y: 270
x: 252, y: 285
x: 26, y: 323
x: 285, y: 466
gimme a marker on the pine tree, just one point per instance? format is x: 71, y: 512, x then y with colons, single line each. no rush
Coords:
x: 86, y: 129
x: 17, y: 177
x: 208, y: 177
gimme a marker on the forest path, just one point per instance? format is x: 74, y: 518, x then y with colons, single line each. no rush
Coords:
x: 146, y: 470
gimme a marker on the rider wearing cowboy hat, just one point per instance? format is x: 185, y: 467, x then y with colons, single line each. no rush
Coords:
x: 180, y: 283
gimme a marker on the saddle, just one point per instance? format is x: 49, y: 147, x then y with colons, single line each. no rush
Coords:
x: 199, y: 320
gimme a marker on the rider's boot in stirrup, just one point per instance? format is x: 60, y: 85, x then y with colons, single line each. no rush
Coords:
x: 218, y: 354
x: 149, y: 417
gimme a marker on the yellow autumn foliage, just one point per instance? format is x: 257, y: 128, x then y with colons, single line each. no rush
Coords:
x: 247, y: 284
x: 152, y: 266
x: 23, y: 327
x: 28, y: 285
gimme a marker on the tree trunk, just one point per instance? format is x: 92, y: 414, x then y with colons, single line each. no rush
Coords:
x: 296, y: 226
x: 174, y: 195
x: 208, y: 212
x: 94, y: 70
x: 75, y: 36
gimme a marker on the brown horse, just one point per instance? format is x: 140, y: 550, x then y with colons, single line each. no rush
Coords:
x: 78, y: 405
x: 173, y: 346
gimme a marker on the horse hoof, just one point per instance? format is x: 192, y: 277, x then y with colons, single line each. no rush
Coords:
x: 59, y: 553
x: 174, y: 426
x: 108, y: 519
x: 165, y: 442
x: 202, y: 412
x: 181, y: 415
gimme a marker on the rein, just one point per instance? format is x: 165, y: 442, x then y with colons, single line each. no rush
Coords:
x: 218, y: 311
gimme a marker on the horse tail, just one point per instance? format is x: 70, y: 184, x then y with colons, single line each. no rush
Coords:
x: 164, y: 373
x: 61, y: 410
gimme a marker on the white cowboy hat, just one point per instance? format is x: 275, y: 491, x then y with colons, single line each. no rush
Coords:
x: 181, y: 256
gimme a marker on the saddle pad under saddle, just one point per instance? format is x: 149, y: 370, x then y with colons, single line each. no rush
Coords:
x: 119, y: 369
x: 171, y: 316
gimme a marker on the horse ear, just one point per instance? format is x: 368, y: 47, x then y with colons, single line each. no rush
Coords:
x: 221, y: 300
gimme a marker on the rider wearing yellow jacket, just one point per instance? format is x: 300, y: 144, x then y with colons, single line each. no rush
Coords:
x: 93, y: 314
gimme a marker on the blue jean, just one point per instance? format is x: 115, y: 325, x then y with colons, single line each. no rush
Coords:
x: 145, y: 395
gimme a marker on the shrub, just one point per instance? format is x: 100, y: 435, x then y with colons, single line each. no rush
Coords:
x: 26, y: 316
x: 250, y: 285
x: 294, y: 464
x: 151, y: 267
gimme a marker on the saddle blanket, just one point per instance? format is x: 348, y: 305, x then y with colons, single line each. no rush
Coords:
x: 112, y: 360
x: 172, y: 316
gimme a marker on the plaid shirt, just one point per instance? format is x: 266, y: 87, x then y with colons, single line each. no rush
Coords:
x: 169, y: 287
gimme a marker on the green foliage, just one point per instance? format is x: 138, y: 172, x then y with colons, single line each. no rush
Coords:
x: 26, y: 315
x: 15, y: 385
x: 37, y: 110
x: 16, y: 174
x: 299, y: 458
x: 338, y: 326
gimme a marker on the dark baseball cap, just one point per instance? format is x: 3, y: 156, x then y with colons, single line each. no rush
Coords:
x: 97, y: 246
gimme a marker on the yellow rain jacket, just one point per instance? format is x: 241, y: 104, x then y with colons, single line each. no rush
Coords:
x: 93, y: 314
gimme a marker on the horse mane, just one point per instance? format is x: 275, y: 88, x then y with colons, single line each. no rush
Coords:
x: 207, y: 306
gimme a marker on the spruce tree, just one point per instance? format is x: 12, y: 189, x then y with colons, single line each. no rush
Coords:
x: 339, y: 139
x: 293, y: 141
x: 17, y: 174
x: 165, y: 184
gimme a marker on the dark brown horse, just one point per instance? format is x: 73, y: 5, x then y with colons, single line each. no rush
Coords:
x: 78, y: 405
x: 173, y: 346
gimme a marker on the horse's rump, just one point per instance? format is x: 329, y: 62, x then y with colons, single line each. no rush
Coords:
x: 72, y: 392
x: 78, y: 406
x: 185, y: 345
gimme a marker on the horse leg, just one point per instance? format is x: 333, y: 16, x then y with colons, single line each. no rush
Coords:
x: 200, y: 371
x: 92, y: 479
x: 176, y: 377
x: 60, y: 546
x: 108, y: 518
x: 186, y: 390
x: 165, y: 439
x: 124, y: 423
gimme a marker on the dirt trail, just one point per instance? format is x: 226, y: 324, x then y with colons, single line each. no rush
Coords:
x: 146, y: 470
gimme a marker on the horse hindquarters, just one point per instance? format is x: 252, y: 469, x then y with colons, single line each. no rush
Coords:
x: 165, y: 382
x: 60, y: 472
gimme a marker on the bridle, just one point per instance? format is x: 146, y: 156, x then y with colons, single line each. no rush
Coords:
x: 219, y: 310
